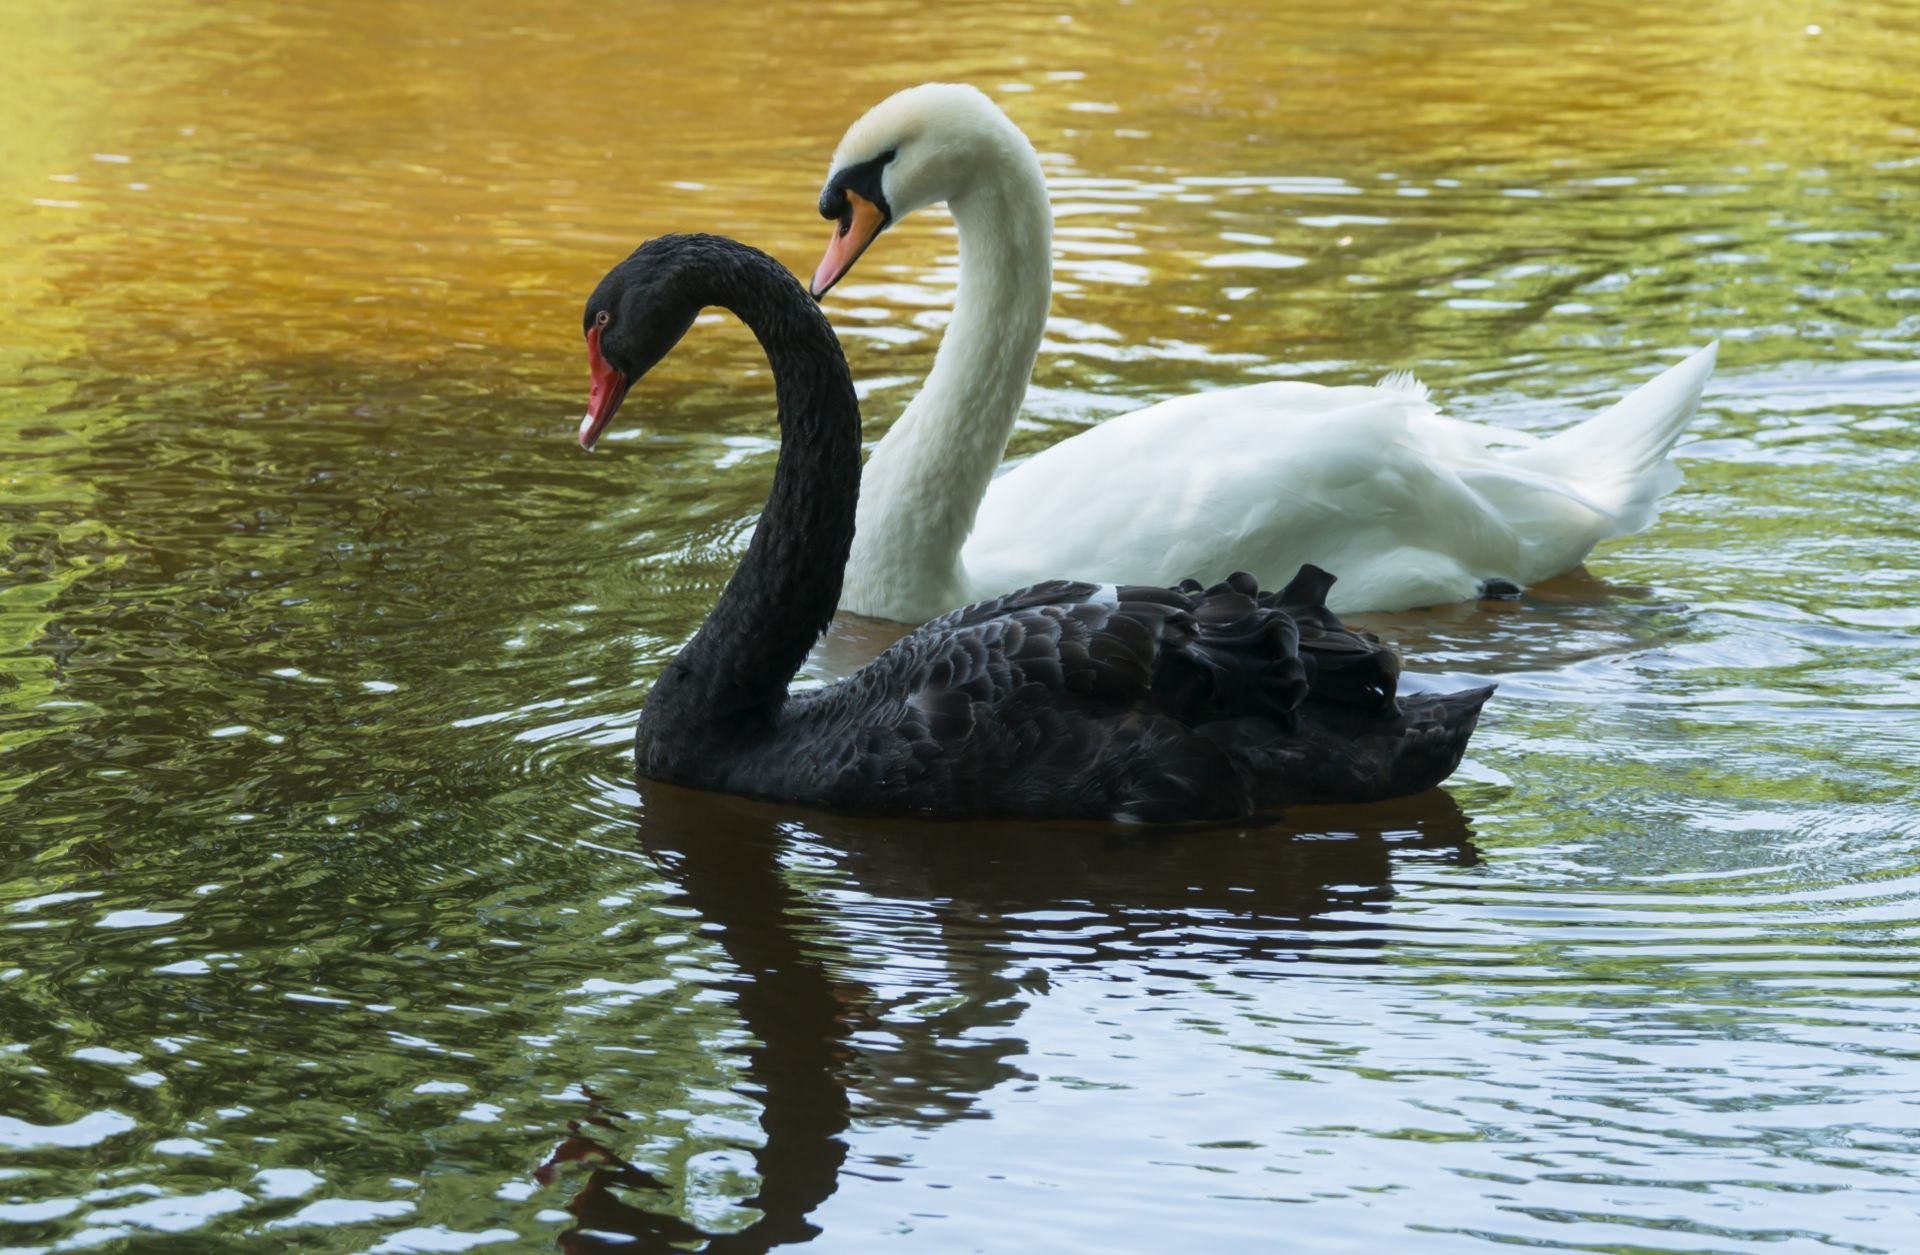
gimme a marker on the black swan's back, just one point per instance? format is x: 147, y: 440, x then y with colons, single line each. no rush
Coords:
x: 1060, y: 700
x: 1137, y: 704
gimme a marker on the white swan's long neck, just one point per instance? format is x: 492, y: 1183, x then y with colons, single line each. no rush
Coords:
x: 924, y: 482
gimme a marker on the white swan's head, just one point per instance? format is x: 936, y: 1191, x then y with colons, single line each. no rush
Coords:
x: 916, y: 148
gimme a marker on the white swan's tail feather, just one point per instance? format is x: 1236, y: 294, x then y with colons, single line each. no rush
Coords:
x: 1618, y: 458
x: 1403, y: 381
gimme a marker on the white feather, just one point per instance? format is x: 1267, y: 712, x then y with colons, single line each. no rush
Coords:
x: 1403, y: 381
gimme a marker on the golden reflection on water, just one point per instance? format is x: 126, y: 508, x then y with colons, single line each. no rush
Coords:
x: 190, y: 188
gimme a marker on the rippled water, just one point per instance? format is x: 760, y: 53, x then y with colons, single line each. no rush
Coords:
x: 330, y: 918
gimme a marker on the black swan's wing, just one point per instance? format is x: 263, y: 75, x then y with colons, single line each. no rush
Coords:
x: 1078, y: 696
x: 1353, y: 739
x: 1343, y: 665
x: 1347, y: 753
x: 1189, y: 654
x: 1129, y: 701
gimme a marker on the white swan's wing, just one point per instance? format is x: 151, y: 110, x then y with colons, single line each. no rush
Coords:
x: 1408, y: 506
x: 1264, y: 479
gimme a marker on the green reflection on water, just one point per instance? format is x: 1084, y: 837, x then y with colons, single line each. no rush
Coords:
x: 320, y: 642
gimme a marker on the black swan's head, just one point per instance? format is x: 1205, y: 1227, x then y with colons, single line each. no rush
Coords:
x: 635, y: 317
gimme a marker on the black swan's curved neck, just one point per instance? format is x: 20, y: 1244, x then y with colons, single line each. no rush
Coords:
x: 732, y: 677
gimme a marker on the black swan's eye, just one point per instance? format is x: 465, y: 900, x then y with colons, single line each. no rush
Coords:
x: 600, y: 319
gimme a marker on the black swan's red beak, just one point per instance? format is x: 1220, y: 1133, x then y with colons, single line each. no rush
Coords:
x: 603, y: 400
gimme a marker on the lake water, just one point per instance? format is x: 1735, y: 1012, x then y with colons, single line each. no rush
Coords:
x: 330, y: 917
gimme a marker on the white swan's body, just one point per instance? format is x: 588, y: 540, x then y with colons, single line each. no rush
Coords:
x: 1412, y: 508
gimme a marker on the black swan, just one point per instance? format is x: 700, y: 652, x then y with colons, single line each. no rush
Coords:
x: 1063, y: 700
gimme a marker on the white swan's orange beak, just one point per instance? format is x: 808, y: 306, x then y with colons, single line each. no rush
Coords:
x: 608, y: 390
x: 851, y: 235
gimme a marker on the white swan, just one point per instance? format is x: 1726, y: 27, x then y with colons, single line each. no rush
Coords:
x: 1411, y: 507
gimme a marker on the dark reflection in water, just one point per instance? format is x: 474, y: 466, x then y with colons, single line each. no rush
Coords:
x: 979, y: 898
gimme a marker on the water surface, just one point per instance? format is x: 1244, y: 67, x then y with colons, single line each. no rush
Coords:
x: 330, y: 917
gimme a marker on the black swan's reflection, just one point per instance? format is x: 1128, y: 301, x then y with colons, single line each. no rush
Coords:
x: 936, y: 936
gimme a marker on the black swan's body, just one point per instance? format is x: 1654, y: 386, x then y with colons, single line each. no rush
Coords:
x: 1059, y: 700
